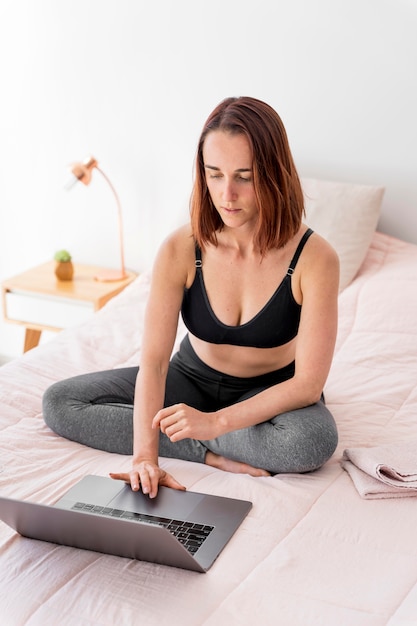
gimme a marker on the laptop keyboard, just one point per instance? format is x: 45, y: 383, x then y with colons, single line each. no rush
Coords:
x: 190, y: 534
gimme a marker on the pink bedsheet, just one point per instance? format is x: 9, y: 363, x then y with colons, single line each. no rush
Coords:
x: 311, y: 551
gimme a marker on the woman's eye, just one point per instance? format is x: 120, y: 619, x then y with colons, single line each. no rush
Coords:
x: 238, y: 178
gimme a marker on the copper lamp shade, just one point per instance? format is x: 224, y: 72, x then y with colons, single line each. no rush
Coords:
x: 83, y: 172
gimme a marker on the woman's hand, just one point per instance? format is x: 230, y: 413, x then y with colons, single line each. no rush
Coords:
x: 181, y: 421
x: 147, y: 476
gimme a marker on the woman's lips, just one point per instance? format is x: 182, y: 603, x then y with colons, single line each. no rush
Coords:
x: 229, y: 210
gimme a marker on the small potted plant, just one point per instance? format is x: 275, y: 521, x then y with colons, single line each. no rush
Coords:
x: 64, y: 268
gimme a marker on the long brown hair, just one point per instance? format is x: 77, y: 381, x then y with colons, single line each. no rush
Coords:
x: 276, y: 183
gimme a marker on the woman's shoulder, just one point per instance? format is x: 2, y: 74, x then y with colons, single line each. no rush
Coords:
x: 319, y: 260
x: 176, y: 255
x: 179, y: 242
x: 320, y: 246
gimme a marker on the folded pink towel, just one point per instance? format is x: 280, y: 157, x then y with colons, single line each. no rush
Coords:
x: 388, y: 471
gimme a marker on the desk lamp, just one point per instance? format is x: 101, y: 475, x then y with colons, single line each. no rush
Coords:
x: 83, y: 172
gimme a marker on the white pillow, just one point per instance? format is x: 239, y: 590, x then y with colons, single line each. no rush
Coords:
x: 346, y: 215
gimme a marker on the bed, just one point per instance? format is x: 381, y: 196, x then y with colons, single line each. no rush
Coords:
x: 313, y: 549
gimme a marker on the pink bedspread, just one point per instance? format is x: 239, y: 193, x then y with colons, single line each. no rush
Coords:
x: 311, y: 551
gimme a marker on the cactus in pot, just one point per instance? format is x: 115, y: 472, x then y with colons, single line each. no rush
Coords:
x: 64, y: 269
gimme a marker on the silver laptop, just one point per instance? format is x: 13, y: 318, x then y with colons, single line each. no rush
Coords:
x: 178, y: 528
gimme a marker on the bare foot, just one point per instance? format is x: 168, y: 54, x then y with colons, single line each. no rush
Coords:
x: 236, y: 467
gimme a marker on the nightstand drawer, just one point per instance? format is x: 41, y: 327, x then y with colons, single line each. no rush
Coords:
x: 46, y: 310
x: 37, y: 300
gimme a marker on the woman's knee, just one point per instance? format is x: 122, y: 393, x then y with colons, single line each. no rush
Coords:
x: 308, y: 436
x: 54, y: 404
x: 74, y: 397
x: 70, y: 409
x: 64, y: 398
x: 51, y: 399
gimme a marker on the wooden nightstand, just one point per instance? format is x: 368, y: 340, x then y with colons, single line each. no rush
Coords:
x: 39, y: 301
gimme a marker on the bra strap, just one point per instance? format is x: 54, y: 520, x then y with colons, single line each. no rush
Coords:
x: 300, y: 247
x: 198, y: 261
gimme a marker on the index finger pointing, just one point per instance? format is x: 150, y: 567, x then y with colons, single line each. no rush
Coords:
x: 131, y: 479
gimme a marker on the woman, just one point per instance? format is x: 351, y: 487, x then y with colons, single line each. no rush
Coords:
x: 258, y: 292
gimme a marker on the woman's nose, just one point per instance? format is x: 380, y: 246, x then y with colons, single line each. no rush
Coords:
x: 229, y: 192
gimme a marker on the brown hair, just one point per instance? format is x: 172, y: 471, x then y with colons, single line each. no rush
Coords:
x: 276, y: 183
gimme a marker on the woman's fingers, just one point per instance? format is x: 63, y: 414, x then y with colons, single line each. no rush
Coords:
x: 169, y: 416
x: 172, y: 421
x: 170, y: 481
x: 130, y: 478
x: 148, y: 479
x: 120, y: 476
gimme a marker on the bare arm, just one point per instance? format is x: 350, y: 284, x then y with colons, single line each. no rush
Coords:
x: 169, y: 277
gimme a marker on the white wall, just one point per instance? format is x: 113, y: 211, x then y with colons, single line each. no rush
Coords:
x: 132, y: 81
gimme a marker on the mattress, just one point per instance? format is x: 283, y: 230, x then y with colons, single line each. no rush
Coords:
x: 311, y: 550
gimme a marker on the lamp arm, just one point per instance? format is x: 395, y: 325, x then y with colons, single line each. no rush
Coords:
x: 120, y: 222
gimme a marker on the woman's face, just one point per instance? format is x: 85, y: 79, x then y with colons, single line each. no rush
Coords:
x: 227, y: 161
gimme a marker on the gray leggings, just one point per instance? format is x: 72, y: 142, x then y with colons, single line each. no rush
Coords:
x: 97, y: 410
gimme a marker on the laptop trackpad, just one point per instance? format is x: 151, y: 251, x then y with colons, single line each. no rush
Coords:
x: 169, y: 503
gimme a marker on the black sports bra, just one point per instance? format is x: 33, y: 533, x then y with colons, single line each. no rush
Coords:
x: 275, y: 324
